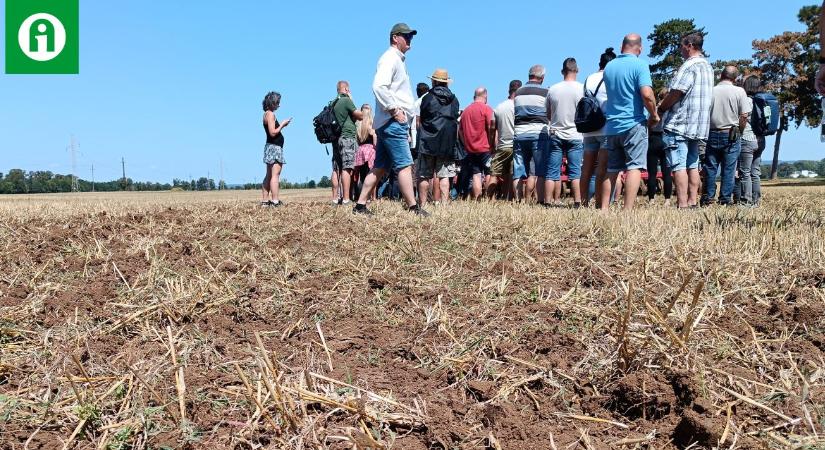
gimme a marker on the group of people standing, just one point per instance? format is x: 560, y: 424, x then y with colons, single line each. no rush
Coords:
x: 522, y: 148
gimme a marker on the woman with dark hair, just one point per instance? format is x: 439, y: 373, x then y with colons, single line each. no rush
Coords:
x: 273, y: 150
x: 750, y: 158
x: 595, y: 153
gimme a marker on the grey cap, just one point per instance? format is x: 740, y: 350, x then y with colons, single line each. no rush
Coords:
x: 402, y: 28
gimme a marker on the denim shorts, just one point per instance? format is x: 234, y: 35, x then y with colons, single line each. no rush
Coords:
x: 527, y: 156
x: 393, y: 149
x: 681, y: 153
x: 559, y: 147
x: 594, y: 143
x: 628, y: 150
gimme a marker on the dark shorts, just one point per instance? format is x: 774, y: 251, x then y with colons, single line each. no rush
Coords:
x: 479, y: 163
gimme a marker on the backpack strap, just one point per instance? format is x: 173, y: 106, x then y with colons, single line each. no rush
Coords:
x: 598, y: 87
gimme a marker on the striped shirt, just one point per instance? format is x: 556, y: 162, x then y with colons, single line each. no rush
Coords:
x: 690, y: 116
x: 530, y: 104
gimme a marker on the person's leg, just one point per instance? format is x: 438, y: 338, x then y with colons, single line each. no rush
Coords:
x: 652, y: 169
x: 667, y: 178
x: 588, y: 167
x: 275, y: 182
x: 575, y: 153
x: 745, y: 163
x: 710, y: 164
x: 608, y: 186
x: 551, y: 172
x: 676, y: 154
x: 405, y: 185
x: 335, y: 184
x: 694, y: 180
x: 346, y: 179
x: 636, y: 148
x: 614, y: 163
x: 756, y: 171
x: 379, y: 168
x: 423, y: 191
x: 602, y: 158
x: 731, y: 157
x: 265, y: 197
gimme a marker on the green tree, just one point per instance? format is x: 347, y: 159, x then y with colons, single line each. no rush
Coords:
x: 666, y: 40
x: 788, y: 63
x: 325, y: 182
x: 16, y: 182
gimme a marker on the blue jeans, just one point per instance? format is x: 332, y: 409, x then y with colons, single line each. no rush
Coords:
x: 720, y: 158
x: 393, y: 149
x: 528, y: 156
x: 557, y: 148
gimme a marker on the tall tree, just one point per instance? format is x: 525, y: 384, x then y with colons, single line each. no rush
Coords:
x: 788, y: 63
x: 666, y: 40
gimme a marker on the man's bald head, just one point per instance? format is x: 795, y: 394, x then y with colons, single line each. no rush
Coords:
x: 730, y: 73
x: 632, y: 43
x: 480, y: 93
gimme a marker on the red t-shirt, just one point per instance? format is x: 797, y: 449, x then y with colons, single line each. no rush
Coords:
x: 474, y: 121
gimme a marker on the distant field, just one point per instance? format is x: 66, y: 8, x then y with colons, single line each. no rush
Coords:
x: 200, y: 320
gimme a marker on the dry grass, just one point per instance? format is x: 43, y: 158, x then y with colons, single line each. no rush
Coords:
x: 201, y: 321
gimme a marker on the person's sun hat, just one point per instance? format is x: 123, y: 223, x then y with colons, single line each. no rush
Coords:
x: 441, y: 75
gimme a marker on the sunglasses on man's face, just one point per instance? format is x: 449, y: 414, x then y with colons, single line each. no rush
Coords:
x: 408, y: 37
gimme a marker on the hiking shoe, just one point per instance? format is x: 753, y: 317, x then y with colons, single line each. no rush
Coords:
x: 361, y: 209
x: 419, y: 211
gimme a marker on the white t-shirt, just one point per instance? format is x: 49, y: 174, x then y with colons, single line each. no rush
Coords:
x: 505, y: 123
x: 591, y: 83
x: 562, y: 99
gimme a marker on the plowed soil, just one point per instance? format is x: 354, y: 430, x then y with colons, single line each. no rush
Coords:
x: 147, y: 322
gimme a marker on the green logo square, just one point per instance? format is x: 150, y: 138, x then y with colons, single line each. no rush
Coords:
x: 42, y: 37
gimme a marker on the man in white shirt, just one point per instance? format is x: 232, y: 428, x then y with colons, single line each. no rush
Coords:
x: 394, y: 110
x: 565, y: 139
x: 501, y: 166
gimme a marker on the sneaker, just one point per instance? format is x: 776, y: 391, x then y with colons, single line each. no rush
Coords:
x: 346, y: 202
x: 361, y: 209
x: 276, y: 204
x: 577, y: 205
x: 265, y: 204
x: 419, y: 211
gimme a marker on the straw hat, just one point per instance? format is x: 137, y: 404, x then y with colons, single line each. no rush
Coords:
x: 441, y: 75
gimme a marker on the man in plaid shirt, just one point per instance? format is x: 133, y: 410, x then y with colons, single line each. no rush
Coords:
x: 685, y: 113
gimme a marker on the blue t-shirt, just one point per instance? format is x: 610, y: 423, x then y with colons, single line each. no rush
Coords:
x: 624, y: 77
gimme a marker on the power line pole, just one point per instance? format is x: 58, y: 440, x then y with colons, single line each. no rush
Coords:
x: 220, y: 183
x: 74, y: 164
x: 93, y: 177
x: 123, y: 164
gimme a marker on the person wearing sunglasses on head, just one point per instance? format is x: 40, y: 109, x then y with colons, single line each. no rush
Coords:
x: 394, y: 110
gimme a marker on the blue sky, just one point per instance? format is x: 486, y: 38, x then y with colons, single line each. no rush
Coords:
x: 175, y: 87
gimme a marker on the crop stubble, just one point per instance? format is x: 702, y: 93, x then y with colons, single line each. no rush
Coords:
x: 202, y: 321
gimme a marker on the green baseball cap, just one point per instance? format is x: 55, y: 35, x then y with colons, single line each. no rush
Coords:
x: 402, y: 28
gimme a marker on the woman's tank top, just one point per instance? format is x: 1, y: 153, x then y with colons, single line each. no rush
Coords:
x: 277, y: 140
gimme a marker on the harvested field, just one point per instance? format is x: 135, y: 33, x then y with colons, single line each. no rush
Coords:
x: 176, y: 320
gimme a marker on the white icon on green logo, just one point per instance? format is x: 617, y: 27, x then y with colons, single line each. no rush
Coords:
x: 42, y: 37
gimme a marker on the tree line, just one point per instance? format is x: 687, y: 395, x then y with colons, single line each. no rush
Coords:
x: 787, y: 64
x: 18, y: 181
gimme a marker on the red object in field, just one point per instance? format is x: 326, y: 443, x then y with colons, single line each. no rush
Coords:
x: 624, y: 175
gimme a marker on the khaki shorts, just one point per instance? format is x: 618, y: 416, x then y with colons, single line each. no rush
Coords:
x: 427, y: 165
x: 502, y: 163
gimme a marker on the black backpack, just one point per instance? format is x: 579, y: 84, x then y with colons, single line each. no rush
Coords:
x: 589, y: 114
x: 765, y: 114
x: 327, y: 128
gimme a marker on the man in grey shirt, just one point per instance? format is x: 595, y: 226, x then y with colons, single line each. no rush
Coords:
x: 729, y: 113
